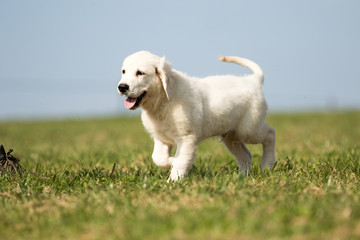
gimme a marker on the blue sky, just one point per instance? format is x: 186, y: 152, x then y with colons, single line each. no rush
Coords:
x: 63, y: 58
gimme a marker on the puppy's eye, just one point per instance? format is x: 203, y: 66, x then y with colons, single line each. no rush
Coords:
x: 123, y: 71
x: 139, y: 73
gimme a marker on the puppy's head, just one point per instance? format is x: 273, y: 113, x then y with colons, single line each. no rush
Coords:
x: 144, y: 76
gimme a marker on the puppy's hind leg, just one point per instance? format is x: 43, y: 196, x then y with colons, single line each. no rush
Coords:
x: 239, y: 150
x: 268, y: 143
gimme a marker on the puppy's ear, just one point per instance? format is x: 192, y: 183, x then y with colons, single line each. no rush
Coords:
x: 164, y: 71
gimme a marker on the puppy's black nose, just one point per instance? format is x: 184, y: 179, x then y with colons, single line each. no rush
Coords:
x: 123, y: 87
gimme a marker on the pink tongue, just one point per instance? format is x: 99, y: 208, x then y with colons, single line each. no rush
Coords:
x: 130, y: 102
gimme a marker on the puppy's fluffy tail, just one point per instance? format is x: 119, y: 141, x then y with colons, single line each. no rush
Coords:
x: 246, y: 63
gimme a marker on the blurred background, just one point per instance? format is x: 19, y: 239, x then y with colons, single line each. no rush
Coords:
x: 61, y: 59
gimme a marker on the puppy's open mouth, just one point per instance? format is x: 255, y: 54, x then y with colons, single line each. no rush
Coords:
x: 133, y: 103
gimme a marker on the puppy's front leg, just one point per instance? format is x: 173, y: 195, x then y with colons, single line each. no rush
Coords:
x: 161, y: 154
x: 184, y: 158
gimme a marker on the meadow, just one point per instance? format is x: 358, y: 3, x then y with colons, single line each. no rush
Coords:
x: 95, y: 180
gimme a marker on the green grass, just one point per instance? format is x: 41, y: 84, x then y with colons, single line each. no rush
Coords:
x: 97, y: 181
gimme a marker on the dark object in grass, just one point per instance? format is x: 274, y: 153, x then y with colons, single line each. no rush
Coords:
x: 9, y: 163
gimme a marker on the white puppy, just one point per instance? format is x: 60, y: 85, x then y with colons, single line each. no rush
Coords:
x: 181, y: 111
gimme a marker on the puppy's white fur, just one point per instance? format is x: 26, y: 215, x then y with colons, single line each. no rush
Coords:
x: 181, y: 111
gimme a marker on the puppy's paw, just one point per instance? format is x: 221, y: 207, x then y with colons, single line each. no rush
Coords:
x: 162, y: 161
x: 176, y: 175
x: 244, y: 172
